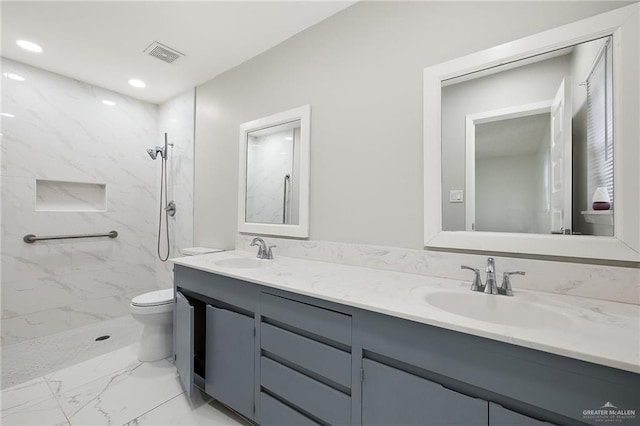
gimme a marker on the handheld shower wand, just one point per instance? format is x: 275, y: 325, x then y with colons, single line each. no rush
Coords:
x: 170, y: 208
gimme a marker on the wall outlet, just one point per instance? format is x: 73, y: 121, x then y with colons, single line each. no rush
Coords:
x: 455, y: 196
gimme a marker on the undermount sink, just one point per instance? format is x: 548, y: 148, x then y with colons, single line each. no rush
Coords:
x: 240, y: 263
x: 502, y: 310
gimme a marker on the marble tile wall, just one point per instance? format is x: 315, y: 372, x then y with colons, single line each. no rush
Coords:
x: 61, y: 130
x: 176, y: 118
x: 269, y: 159
x: 584, y: 280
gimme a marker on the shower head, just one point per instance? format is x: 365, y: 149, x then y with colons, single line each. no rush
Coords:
x: 162, y: 150
x: 153, y: 152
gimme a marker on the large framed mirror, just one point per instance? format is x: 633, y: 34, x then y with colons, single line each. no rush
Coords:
x: 273, y: 197
x: 532, y: 146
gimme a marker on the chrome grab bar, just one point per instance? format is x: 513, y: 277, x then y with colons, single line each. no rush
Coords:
x: 287, y: 178
x: 30, y: 238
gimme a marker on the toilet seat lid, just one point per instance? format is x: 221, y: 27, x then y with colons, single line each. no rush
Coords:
x: 154, y: 298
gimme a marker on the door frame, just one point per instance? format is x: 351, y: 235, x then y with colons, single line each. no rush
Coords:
x: 472, y: 120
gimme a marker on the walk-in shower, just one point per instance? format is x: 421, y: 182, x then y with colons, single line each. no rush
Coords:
x: 170, y: 207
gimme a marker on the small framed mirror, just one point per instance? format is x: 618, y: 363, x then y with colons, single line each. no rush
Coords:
x: 531, y: 147
x: 273, y: 197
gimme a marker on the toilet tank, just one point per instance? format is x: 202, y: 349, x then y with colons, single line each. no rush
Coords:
x: 192, y: 251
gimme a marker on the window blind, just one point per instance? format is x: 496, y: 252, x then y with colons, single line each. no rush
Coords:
x: 600, y: 124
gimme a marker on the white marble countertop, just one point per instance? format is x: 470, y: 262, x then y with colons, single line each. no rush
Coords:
x: 601, y: 332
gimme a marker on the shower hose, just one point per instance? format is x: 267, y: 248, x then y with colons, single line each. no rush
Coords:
x: 163, y: 186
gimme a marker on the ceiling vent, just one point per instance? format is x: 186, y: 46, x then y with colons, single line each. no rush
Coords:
x: 162, y: 52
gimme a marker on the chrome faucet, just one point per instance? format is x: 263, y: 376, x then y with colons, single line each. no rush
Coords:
x: 491, y: 286
x: 264, y: 251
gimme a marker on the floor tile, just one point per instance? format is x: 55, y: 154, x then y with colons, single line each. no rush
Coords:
x: 44, y: 413
x: 80, y: 374
x: 111, y: 389
x: 44, y: 355
x: 26, y: 394
x: 181, y: 411
x: 120, y: 397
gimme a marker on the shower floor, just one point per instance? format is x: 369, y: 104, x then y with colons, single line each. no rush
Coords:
x: 27, y: 360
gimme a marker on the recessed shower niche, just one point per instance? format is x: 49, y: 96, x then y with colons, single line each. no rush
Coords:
x: 63, y: 196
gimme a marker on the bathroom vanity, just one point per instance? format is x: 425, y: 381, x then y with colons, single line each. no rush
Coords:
x: 299, y: 342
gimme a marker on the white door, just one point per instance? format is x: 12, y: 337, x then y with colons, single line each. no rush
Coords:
x: 560, y: 152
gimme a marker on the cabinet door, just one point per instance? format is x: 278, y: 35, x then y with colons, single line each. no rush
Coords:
x: 500, y: 416
x: 395, y: 397
x: 183, y: 332
x: 230, y: 356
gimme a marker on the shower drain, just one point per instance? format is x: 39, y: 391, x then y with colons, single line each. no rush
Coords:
x: 98, y: 339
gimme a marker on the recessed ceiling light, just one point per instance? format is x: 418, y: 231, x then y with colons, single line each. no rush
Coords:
x: 6, y: 114
x: 108, y: 102
x: 137, y: 83
x: 30, y: 46
x: 13, y: 76
x: 288, y: 138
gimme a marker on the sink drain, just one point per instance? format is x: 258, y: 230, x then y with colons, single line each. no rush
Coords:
x: 98, y: 339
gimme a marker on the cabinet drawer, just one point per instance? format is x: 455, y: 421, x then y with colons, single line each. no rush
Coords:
x: 275, y: 413
x: 394, y: 397
x: 319, y: 321
x: 317, y: 357
x: 234, y: 292
x: 318, y: 399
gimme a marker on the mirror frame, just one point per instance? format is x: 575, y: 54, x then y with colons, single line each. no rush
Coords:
x: 301, y: 230
x: 623, y: 25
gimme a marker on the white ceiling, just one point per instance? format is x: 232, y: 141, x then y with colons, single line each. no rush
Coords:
x: 513, y: 136
x: 102, y: 42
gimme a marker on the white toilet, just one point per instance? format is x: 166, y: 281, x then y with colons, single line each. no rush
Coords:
x: 155, y: 311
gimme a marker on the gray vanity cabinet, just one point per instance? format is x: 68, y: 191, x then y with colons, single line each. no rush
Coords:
x: 391, y: 396
x: 183, y: 342
x: 285, y: 359
x: 230, y: 359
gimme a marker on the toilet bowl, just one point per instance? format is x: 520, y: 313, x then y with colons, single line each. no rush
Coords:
x: 155, y: 311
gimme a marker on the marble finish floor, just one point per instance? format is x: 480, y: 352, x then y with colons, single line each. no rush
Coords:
x: 35, y: 358
x: 111, y: 389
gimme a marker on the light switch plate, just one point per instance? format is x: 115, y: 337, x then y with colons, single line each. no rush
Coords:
x: 455, y: 196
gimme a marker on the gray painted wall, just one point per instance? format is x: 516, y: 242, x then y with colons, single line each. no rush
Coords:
x: 361, y: 71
